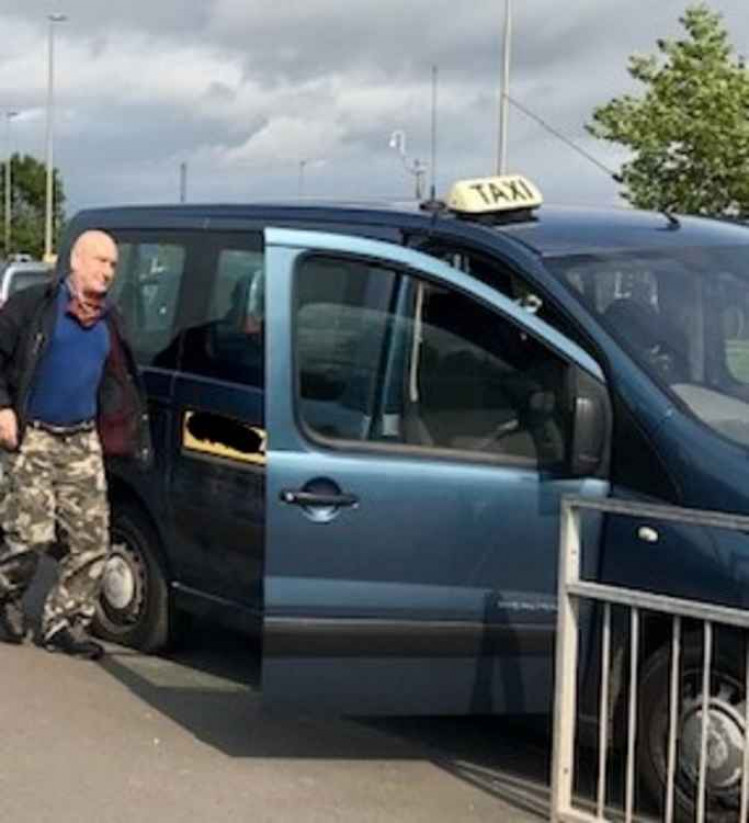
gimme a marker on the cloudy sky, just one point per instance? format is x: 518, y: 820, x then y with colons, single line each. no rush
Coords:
x: 243, y: 91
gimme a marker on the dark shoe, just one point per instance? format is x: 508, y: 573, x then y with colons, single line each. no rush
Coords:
x: 63, y: 640
x: 12, y: 621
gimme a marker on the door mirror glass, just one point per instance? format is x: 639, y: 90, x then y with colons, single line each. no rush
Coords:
x: 591, y: 427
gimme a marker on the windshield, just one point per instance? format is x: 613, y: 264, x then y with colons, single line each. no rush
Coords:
x: 683, y: 314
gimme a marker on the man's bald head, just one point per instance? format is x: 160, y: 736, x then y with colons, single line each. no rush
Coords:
x: 93, y: 260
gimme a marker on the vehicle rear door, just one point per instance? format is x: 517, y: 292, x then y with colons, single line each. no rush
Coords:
x: 217, y: 474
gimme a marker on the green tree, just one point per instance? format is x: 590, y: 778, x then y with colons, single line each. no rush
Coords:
x: 689, y: 132
x: 28, y: 205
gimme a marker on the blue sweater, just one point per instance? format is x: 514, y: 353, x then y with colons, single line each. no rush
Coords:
x: 65, y: 387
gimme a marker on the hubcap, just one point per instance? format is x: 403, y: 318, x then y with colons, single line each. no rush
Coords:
x: 123, y: 589
x: 119, y: 584
x: 725, y: 742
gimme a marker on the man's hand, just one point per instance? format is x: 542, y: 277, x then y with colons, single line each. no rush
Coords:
x: 8, y: 429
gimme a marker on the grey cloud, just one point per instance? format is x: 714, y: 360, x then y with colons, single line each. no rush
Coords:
x: 86, y: 17
x: 151, y: 133
x: 220, y: 92
x: 566, y: 59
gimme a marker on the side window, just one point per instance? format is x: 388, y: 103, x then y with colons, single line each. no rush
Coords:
x: 491, y: 271
x: 649, y: 304
x: 385, y: 357
x: 228, y: 343
x: 343, y: 319
x: 727, y: 294
x: 146, y: 291
x: 124, y: 262
x: 30, y: 277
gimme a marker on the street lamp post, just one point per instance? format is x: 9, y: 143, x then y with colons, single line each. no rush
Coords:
x: 504, y: 94
x: 9, y: 115
x: 415, y: 167
x: 304, y: 163
x: 302, y: 166
x: 49, y: 210
x: 183, y: 182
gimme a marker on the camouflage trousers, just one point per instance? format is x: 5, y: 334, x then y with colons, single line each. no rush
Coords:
x: 56, y: 480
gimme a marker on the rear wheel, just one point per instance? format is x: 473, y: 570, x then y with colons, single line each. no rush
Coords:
x: 725, y: 745
x: 133, y: 606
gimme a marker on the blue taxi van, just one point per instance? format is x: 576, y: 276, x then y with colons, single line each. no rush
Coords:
x: 364, y: 420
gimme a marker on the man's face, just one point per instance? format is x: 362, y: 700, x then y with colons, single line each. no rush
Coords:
x: 93, y: 263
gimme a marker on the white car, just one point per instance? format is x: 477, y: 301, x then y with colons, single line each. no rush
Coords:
x: 15, y: 276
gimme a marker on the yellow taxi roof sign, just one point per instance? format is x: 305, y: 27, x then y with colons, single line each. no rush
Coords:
x: 485, y: 195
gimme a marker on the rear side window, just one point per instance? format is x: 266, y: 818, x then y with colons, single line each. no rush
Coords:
x: 146, y: 291
x: 228, y: 342
x: 23, y: 279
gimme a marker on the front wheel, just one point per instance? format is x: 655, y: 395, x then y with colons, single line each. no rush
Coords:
x: 133, y: 607
x: 725, y: 744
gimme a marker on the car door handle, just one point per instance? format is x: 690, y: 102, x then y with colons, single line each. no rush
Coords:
x: 297, y: 497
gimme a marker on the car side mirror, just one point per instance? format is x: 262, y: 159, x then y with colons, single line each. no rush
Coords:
x: 591, y: 425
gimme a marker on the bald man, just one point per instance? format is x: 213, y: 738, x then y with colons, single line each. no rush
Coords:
x: 69, y: 393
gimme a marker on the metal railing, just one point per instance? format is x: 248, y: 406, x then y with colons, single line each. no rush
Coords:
x: 573, y: 590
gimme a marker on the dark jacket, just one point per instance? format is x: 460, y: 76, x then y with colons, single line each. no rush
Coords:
x: 27, y: 323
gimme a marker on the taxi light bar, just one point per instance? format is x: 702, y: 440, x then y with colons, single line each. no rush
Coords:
x: 485, y: 195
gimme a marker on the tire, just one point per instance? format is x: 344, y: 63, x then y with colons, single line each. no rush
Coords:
x: 133, y: 607
x: 725, y: 741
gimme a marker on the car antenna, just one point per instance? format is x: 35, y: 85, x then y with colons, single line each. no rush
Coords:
x: 673, y: 220
x: 615, y: 176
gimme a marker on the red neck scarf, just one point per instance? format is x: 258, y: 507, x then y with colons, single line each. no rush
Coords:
x: 87, y: 307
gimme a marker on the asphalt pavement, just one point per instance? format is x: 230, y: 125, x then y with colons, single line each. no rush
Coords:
x: 186, y: 738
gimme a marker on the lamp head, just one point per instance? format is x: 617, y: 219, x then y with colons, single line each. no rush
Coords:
x: 398, y: 141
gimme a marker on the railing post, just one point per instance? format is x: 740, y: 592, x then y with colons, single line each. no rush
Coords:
x: 673, y: 717
x: 634, y: 658
x: 603, y: 710
x: 565, y: 709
